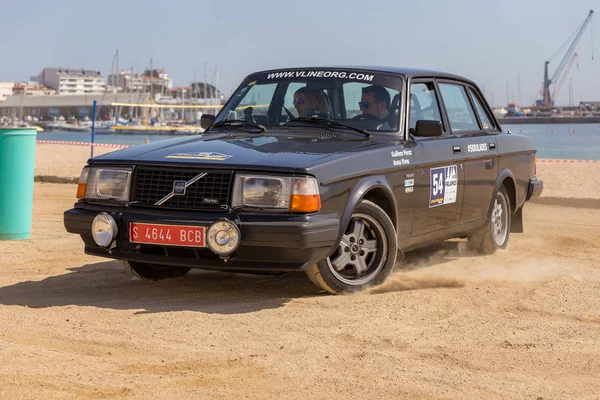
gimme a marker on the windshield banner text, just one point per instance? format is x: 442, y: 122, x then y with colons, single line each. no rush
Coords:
x: 321, y: 74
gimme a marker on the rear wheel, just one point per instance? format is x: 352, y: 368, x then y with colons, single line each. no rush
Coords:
x: 154, y: 272
x: 495, y: 234
x: 364, y: 257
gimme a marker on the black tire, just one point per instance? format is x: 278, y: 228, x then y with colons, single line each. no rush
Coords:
x: 494, y: 235
x: 153, y: 272
x: 364, y: 258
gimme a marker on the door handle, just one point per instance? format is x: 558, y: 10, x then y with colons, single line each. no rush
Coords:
x: 456, y: 149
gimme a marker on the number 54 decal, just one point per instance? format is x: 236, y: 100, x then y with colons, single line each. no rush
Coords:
x: 443, y: 185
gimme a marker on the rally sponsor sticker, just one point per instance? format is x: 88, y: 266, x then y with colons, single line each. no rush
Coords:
x: 444, y: 185
x: 210, y: 156
x: 476, y: 148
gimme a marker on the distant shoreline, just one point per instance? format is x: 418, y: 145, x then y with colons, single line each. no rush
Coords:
x: 549, y: 120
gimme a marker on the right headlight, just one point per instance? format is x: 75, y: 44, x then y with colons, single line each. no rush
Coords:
x: 104, y: 183
x: 295, y: 194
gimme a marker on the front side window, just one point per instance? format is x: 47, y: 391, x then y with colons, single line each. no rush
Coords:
x: 461, y: 115
x: 297, y: 98
x: 257, y: 100
x: 423, y: 104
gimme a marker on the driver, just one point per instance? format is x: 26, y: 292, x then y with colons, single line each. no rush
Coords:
x: 309, y: 102
x: 375, y: 100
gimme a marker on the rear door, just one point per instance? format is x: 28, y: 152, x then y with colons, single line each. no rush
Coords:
x: 438, y: 180
x: 469, y: 121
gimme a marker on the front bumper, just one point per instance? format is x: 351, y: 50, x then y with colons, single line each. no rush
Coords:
x: 535, y: 188
x: 269, y: 242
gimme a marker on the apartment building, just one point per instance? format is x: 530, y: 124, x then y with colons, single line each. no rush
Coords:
x: 72, y: 81
x: 155, y: 80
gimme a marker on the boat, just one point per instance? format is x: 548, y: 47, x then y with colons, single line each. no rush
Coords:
x: 500, y: 112
x: 154, y: 129
x: 76, y: 128
x: 62, y: 126
x: 37, y: 128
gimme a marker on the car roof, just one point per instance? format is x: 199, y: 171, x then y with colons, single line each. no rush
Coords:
x: 406, y: 72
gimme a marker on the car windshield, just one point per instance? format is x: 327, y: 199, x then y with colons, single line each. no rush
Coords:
x: 292, y: 98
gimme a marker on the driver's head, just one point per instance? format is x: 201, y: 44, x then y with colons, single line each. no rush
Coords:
x: 309, y: 99
x: 375, y: 100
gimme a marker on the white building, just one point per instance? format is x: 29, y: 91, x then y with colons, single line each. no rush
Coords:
x: 6, y: 89
x: 157, y: 77
x: 72, y: 81
x: 156, y: 81
x: 127, y: 81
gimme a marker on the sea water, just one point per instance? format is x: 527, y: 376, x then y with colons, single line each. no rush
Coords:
x: 566, y: 141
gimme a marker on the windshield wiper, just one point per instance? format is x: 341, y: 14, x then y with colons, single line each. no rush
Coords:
x: 327, y: 121
x: 239, y: 122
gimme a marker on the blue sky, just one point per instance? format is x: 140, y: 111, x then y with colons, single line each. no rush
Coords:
x: 493, y: 43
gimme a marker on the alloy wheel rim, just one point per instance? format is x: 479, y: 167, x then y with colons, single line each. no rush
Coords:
x: 500, y: 219
x: 361, y: 253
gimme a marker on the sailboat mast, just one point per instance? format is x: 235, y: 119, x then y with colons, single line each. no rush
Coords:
x: 151, y: 90
x: 117, y: 69
x: 217, y: 82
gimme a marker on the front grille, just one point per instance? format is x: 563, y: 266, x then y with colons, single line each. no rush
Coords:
x: 211, y: 192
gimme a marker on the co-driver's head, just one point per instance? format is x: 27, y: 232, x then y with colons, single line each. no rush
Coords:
x: 375, y: 100
x: 309, y: 99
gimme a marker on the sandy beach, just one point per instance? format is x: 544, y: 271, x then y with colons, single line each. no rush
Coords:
x: 64, y: 161
x: 562, y: 180
x: 521, y: 323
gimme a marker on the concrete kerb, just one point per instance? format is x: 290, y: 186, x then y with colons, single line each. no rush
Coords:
x: 55, y: 179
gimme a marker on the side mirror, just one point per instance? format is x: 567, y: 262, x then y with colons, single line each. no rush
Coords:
x: 426, y: 128
x: 206, y: 120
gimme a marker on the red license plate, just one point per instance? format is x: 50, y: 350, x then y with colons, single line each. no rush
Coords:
x: 170, y: 235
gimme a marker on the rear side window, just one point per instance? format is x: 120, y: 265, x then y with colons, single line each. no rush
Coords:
x: 459, y: 110
x: 483, y: 116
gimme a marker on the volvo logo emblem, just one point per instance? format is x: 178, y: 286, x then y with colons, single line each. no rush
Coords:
x: 179, y: 188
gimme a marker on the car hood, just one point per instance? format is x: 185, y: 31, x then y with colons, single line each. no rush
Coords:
x: 282, y: 151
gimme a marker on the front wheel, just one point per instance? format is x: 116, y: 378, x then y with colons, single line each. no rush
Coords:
x: 494, y: 235
x: 153, y: 272
x: 364, y: 257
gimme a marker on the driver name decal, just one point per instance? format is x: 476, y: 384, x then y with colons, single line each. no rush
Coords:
x: 321, y: 74
x: 444, y: 185
x: 401, y: 153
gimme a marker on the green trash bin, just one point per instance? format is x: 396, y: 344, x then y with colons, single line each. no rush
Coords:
x: 17, y: 163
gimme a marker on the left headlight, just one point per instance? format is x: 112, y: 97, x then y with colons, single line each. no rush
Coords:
x: 295, y: 194
x: 108, y: 183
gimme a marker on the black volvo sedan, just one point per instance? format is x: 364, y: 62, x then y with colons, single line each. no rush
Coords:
x: 331, y: 171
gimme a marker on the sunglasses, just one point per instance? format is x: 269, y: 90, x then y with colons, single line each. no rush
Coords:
x: 299, y: 101
x: 365, y: 104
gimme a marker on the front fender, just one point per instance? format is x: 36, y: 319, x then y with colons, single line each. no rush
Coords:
x: 362, y: 187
